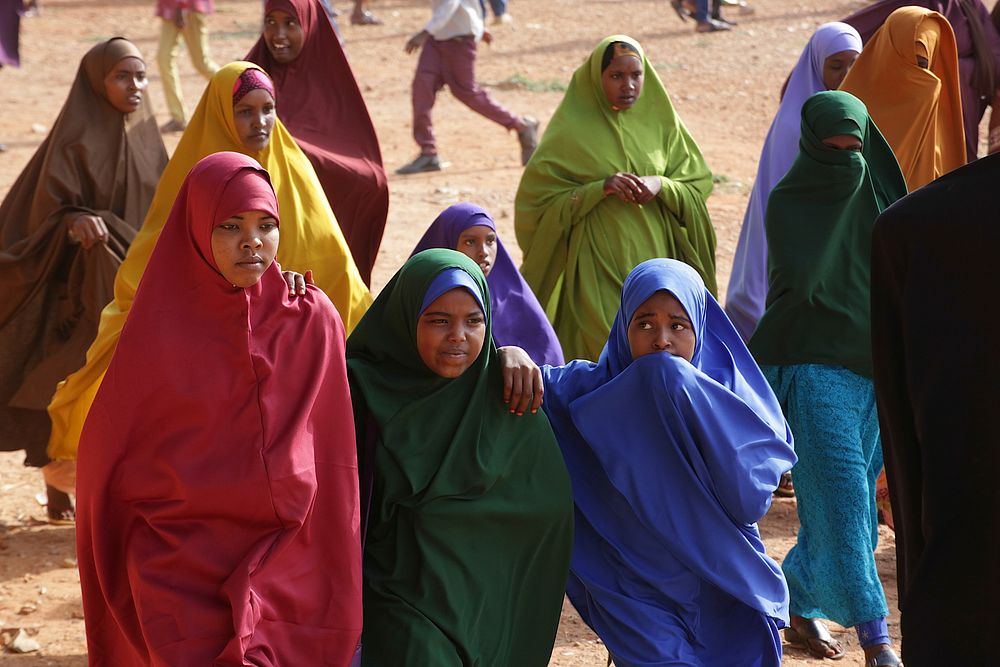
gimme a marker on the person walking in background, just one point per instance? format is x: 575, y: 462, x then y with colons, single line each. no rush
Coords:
x: 323, y: 108
x: 361, y: 16
x: 617, y: 180
x: 10, y: 29
x: 182, y: 18
x: 908, y: 77
x: 499, y: 8
x: 978, y: 46
x: 825, y: 61
x: 814, y: 347
x: 65, y: 226
x: 447, y: 47
x: 518, y: 318
x: 10, y: 33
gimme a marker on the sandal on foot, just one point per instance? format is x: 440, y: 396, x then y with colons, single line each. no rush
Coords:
x: 711, y: 25
x: 365, y: 18
x: 59, y: 507
x: 786, y: 489
x: 814, y: 637
x: 885, y: 658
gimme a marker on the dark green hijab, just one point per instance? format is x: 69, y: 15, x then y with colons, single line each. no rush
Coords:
x: 470, y: 528
x: 819, y: 224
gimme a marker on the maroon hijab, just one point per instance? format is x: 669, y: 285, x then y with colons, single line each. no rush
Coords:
x: 320, y: 104
x: 218, y: 491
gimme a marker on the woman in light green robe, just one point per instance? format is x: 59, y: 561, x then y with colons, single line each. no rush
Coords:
x: 616, y: 180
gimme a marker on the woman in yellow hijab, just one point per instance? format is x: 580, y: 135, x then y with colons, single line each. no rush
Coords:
x: 236, y: 113
x: 907, y: 76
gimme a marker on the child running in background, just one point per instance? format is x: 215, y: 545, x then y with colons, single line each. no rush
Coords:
x: 182, y: 18
x: 447, y: 47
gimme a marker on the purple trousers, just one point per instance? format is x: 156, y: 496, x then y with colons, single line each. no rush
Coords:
x: 450, y: 62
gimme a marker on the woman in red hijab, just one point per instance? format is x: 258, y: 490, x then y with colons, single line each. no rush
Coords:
x: 217, y: 483
x: 321, y: 105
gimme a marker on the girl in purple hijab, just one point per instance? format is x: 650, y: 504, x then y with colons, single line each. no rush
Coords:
x: 824, y: 63
x: 518, y: 318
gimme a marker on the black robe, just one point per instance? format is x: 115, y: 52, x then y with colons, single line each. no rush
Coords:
x: 935, y: 332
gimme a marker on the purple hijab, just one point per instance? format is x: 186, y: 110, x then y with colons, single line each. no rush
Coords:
x: 870, y: 19
x: 748, y: 282
x: 518, y: 318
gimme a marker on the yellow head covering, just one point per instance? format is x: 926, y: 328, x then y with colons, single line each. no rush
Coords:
x: 919, y: 111
x: 310, y: 239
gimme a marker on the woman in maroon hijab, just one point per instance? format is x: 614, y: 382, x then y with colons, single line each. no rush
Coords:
x: 217, y: 482
x: 320, y: 104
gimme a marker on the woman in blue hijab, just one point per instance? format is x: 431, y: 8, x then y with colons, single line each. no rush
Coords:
x: 673, y: 458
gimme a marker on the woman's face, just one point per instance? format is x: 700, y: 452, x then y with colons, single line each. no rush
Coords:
x: 254, y: 115
x: 843, y: 142
x: 124, y: 84
x: 450, y: 333
x: 661, y: 324
x: 479, y: 243
x: 836, y: 67
x: 283, y: 36
x: 244, y: 246
x: 622, y: 81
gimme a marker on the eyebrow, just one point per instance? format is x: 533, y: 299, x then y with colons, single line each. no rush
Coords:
x: 673, y: 316
x: 439, y: 313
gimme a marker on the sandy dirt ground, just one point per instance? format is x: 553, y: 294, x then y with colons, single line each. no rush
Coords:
x: 725, y: 87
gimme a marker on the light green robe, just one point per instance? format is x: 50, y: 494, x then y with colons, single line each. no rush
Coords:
x: 578, y: 244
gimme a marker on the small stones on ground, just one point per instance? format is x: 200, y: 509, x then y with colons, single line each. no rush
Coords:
x: 22, y: 643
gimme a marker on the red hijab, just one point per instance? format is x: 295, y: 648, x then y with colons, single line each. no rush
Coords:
x: 218, y: 495
x: 320, y: 104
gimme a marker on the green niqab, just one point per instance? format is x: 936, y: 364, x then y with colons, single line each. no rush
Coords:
x: 579, y: 245
x: 819, y: 226
x: 470, y: 528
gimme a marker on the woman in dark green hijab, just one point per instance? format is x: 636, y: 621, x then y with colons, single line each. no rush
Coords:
x: 470, y: 525
x: 616, y: 180
x: 813, y: 344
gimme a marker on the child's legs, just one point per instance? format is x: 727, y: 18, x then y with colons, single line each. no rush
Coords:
x: 426, y: 82
x: 459, y: 59
x: 499, y: 7
x: 196, y: 39
x: 166, y: 56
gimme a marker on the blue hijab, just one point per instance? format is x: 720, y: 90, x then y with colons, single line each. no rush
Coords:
x: 672, y: 464
x: 518, y: 318
x: 748, y: 281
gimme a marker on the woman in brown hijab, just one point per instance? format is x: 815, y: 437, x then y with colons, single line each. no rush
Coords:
x: 64, y: 228
x: 907, y: 75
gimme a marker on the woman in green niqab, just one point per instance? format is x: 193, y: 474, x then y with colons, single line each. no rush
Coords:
x: 616, y: 180
x: 814, y: 346
x: 470, y: 526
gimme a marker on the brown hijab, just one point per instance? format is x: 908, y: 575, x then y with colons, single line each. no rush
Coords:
x: 95, y: 160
